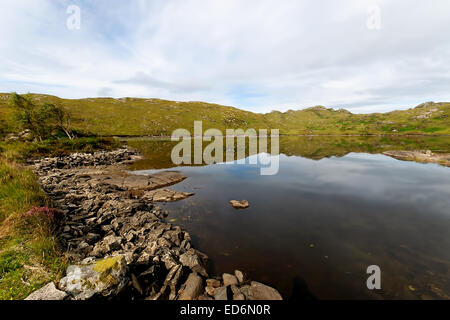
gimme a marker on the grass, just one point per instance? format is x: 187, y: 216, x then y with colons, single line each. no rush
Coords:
x: 29, y: 253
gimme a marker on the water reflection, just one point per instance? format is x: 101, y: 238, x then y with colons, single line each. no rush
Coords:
x: 312, y: 229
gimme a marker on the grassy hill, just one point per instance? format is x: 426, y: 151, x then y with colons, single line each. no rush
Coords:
x: 135, y: 116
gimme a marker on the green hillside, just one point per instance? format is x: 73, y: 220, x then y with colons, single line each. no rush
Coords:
x: 135, y: 116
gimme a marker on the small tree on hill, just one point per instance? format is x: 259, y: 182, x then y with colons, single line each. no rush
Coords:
x: 43, y: 120
x: 59, y: 118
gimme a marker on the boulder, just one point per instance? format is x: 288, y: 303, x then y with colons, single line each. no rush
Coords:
x: 240, y: 276
x: 213, y: 283
x: 103, y: 278
x: 47, y: 292
x: 259, y: 291
x: 221, y: 293
x: 229, y: 279
x: 192, y: 260
x: 193, y: 287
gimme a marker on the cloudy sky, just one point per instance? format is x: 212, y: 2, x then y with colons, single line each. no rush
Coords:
x: 363, y: 55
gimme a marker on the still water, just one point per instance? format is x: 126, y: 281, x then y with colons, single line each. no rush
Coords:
x: 312, y: 230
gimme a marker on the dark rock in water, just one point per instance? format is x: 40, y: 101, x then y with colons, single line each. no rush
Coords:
x: 192, y: 288
x: 48, y: 292
x: 239, y: 204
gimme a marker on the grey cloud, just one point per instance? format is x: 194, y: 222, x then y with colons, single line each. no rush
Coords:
x: 143, y: 79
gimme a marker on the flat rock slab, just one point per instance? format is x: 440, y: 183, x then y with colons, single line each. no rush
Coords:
x: 420, y: 156
x: 166, y: 195
x: 47, y: 292
x: 146, y: 182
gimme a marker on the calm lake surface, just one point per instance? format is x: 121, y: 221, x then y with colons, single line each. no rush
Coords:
x: 312, y: 230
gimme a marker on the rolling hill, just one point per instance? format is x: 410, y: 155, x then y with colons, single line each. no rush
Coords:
x: 137, y: 116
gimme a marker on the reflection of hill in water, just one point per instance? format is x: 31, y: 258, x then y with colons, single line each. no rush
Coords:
x: 157, y: 153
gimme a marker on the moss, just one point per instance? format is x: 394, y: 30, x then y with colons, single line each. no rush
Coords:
x: 106, y: 265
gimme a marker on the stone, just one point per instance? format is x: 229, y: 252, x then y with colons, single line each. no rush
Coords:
x: 102, y: 278
x: 239, y: 204
x: 221, y: 293
x: 193, y: 287
x: 47, y: 292
x: 192, y: 260
x: 166, y: 195
x: 259, y: 291
x: 213, y: 283
x: 229, y: 279
x: 210, y: 290
x: 240, y: 276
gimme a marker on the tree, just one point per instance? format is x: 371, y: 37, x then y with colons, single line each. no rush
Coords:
x: 59, y: 117
x: 26, y: 113
x: 41, y: 121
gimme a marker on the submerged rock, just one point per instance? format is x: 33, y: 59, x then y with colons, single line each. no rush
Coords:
x: 105, y: 278
x: 239, y: 204
x: 166, y: 195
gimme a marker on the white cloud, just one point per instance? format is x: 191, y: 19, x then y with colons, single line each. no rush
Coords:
x: 257, y: 55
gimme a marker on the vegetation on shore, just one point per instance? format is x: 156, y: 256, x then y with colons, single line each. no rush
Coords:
x: 135, y: 117
x: 29, y: 253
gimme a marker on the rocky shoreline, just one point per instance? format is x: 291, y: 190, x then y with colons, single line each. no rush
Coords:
x: 118, y: 241
x: 423, y: 156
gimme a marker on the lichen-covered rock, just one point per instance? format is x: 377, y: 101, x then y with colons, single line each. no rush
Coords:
x: 102, y: 278
x: 47, y: 292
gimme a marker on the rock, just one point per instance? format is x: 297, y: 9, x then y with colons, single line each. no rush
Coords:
x: 166, y: 195
x: 136, y: 284
x: 102, y: 278
x: 213, y: 283
x: 240, y: 276
x: 239, y: 204
x: 259, y: 291
x: 221, y: 293
x: 193, y: 287
x: 192, y: 260
x: 229, y: 279
x: 210, y: 290
x: 48, y: 292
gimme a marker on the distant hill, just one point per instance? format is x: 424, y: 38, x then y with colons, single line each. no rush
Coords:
x: 136, y: 116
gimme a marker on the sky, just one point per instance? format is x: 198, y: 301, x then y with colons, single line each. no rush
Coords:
x: 258, y: 55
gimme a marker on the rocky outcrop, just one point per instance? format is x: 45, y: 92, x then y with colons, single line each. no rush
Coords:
x: 424, y: 156
x: 117, y: 241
